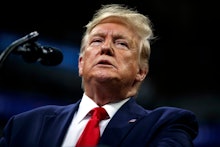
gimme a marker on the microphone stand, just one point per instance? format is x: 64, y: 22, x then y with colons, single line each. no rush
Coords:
x: 14, y: 45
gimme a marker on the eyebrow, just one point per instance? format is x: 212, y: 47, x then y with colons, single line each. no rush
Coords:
x: 117, y: 36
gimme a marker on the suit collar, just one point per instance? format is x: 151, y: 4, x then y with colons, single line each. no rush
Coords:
x: 124, y: 120
x: 55, y: 125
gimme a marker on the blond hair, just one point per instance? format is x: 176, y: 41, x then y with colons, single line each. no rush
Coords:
x: 139, y: 22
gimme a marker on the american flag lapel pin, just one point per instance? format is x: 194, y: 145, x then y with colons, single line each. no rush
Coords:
x: 132, y: 120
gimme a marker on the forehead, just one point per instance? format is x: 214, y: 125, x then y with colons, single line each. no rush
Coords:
x: 114, y: 25
x: 114, y: 29
x: 116, y: 20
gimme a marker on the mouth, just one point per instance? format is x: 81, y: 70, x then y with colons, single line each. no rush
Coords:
x: 105, y: 63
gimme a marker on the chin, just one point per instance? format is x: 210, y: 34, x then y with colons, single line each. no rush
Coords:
x: 104, y: 78
x: 104, y: 75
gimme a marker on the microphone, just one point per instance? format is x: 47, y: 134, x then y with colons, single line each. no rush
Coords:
x: 33, y: 52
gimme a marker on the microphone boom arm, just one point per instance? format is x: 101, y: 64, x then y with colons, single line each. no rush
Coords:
x: 31, y: 36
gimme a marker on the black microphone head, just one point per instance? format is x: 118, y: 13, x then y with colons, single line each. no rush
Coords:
x: 29, y: 52
x: 50, y: 56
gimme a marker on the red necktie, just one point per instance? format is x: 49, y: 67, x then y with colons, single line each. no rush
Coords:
x: 91, y: 133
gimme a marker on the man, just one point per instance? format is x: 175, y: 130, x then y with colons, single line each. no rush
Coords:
x: 113, y: 63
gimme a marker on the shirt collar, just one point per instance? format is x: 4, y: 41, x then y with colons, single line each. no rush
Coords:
x: 88, y: 104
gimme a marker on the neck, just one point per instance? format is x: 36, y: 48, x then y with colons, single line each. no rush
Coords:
x: 103, y: 93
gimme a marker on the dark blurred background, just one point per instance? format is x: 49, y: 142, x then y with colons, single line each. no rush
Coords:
x: 183, y: 66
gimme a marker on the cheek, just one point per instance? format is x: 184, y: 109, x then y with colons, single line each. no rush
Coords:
x: 131, y: 64
x: 88, y: 60
x: 130, y: 60
x: 90, y: 53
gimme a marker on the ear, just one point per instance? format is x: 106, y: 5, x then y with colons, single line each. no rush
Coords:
x: 141, y: 74
x: 80, y: 65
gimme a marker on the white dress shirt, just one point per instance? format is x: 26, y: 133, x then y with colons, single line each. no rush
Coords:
x: 81, y: 118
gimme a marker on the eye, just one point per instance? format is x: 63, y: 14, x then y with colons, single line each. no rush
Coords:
x: 96, y: 41
x: 121, y: 44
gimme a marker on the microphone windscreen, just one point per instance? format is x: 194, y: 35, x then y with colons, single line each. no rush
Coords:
x: 51, y: 56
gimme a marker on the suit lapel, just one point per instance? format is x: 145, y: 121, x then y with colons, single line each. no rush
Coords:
x: 54, y: 126
x: 121, y: 123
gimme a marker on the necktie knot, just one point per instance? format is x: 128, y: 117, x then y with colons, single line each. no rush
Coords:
x: 99, y: 113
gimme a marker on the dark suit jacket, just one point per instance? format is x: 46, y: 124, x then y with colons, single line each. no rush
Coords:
x: 131, y: 126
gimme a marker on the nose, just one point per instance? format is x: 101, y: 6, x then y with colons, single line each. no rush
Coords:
x: 107, y: 49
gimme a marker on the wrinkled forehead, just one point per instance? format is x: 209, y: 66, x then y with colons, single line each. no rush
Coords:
x: 119, y: 20
x: 115, y: 19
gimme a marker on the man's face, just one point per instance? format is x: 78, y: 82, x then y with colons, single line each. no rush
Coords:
x: 110, y: 55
